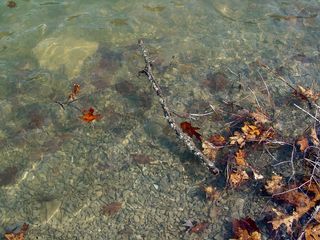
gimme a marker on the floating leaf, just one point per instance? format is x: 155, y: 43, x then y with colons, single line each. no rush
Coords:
x: 190, y: 130
x: 245, y: 229
x: 89, y: 116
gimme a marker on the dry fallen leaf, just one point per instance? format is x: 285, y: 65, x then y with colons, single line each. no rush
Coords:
x: 237, y: 177
x: 314, y: 137
x: 294, y: 197
x: 306, y: 94
x: 301, y: 208
x: 209, y: 150
x: 251, y: 131
x: 275, y: 185
x: 217, y: 140
x: 282, y: 218
x: 312, y: 232
x: 238, y: 138
x: 303, y: 143
x: 259, y: 117
x: 240, y: 158
x: 245, y: 229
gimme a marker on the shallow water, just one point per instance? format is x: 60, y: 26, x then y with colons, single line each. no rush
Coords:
x: 57, y: 173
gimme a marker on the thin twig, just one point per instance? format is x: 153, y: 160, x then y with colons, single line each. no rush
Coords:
x: 168, y: 115
x: 268, y: 92
x: 255, y: 97
x: 307, y: 112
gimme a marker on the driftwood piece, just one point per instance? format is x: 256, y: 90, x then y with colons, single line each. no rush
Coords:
x: 168, y: 115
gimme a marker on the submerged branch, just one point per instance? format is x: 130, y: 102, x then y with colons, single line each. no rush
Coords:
x: 168, y: 115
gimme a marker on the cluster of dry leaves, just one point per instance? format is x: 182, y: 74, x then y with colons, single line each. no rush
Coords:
x: 254, y: 128
x: 305, y: 200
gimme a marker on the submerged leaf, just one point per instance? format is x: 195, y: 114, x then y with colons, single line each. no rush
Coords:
x: 20, y: 235
x: 75, y: 91
x: 211, y: 193
x: 111, y: 208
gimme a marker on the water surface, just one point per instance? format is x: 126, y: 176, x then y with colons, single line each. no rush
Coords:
x: 58, y: 173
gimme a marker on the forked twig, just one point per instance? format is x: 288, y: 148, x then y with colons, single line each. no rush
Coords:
x: 168, y: 115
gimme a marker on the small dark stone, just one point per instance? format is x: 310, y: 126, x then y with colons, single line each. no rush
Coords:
x: 125, y: 88
x: 8, y: 176
x: 36, y: 119
x: 216, y: 81
x: 11, y: 4
x: 140, y: 158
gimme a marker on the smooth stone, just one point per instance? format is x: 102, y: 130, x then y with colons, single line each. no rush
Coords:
x: 63, y: 51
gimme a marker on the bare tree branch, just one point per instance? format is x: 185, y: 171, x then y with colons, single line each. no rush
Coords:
x: 168, y: 115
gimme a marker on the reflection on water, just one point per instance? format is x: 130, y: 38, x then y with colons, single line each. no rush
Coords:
x: 126, y: 176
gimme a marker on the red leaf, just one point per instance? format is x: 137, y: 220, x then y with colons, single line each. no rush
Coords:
x: 191, y: 131
x: 89, y: 116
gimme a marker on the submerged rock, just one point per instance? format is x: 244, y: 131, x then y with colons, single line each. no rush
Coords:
x: 66, y: 52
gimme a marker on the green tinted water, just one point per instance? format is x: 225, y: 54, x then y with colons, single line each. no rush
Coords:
x: 57, y: 172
